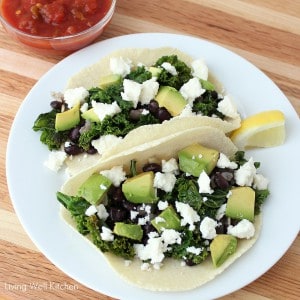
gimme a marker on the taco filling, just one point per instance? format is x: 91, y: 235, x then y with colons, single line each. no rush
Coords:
x: 93, y: 115
x: 197, y: 209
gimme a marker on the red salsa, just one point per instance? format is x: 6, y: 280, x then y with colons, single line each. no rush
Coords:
x: 54, y: 18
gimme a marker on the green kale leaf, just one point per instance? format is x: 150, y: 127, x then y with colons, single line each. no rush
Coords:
x: 140, y: 74
x: 260, y: 197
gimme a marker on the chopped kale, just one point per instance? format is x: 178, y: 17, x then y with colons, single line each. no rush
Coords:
x: 140, y: 74
x: 260, y: 197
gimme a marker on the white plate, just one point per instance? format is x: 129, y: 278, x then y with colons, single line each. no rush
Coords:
x: 32, y: 186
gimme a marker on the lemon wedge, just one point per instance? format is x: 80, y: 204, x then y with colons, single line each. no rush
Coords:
x: 265, y: 129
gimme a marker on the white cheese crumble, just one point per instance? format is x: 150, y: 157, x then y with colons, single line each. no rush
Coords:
x: 132, y: 91
x: 204, y: 183
x: 159, y: 219
x: 102, y: 212
x: 224, y: 162
x: 164, y: 181
x: 55, y: 160
x: 162, y: 205
x: 149, y: 90
x: 199, y: 69
x: 169, y: 166
x: 120, y: 66
x: 260, y: 182
x: 227, y: 107
x: 191, y: 90
x: 187, y: 112
x: 116, y: 175
x: 194, y: 250
x: 105, y: 142
x: 171, y: 236
x: 91, y: 210
x: 208, y: 228
x: 84, y: 107
x: 133, y: 214
x: 221, y: 212
x: 104, y: 109
x: 169, y: 68
x: 145, y: 267
x: 106, y: 234
x: 188, y: 214
x: 242, y: 230
x: 74, y: 96
x: 245, y: 174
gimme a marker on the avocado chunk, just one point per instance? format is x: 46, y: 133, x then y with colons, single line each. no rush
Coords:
x: 131, y: 231
x: 171, y: 99
x: 68, y: 119
x: 139, y: 189
x: 222, y: 246
x: 241, y: 203
x: 91, y: 115
x: 94, y: 189
x: 195, y: 158
x: 167, y: 219
x: 155, y: 71
x: 109, y: 80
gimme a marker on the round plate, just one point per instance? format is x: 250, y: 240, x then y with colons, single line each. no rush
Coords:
x: 32, y: 186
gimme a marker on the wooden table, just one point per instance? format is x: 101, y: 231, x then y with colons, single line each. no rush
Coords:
x: 266, y: 32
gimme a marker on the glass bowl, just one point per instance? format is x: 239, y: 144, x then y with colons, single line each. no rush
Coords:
x: 61, y: 44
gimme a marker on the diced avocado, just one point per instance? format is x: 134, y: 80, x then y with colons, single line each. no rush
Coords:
x: 139, y: 189
x: 207, y: 85
x: 131, y: 231
x: 171, y: 99
x: 155, y: 71
x: 91, y: 115
x: 222, y: 246
x: 195, y: 158
x: 94, y: 189
x: 109, y: 80
x: 241, y: 203
x: 67, y: 119
x: 167, y: 219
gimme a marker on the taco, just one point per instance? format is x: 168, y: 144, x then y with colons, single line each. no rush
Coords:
x: 128, y: 98
x: 171, y: 205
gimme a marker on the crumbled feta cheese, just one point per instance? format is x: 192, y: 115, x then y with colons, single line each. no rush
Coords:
x: 159, y: 219
x: 224, y: 162
x: 145, y: 267
x: 103, y: 187
x: 144, y: 220
x: 162, y: 205
x: 187, y: 112
x: 75, y: 96
x: 204, y: 183
x: 169, y: 68
x: 102, y: 212
x: 164, y: 181
x: 133, y: 214
x: 188, y: 214
x: 260, y: 182
x: 120, y: 65
x: 145, y: 112
x: 169, y: 166
x: 208, y: 228
x: 245, y: 174
x: 153, y: 250
x: 194, y: 250
x: 149, y: 90
x: 242, y: 230
x: 191, y: 90
x: 84, y: 107
x: 106, y: 234
x: 170, y: 237
x: 105, y: 142
x: 221, y: 212
x: 91, y: 210
x: 104, y: 109
x: 132, y: 91
x: 116, y: 175
x: 55, y: 160
x: 199, y: 69
x: 227, y: 108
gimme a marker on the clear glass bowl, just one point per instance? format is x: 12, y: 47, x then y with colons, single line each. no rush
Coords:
x: 60, y: 45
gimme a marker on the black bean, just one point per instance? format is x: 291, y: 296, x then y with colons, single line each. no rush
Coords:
x: 117, y: 214
x: 189, y: 262
x: 163, y: 114
x: 152, y: 167
x: 135, y: 114
x: 153, y: 107
x: 73, y: 149
x: 56, y: 104
x: 92, y: 150
x: 74, y: 134
x: 214, y: 94
x: 128, y: 205
x: 116, y: 195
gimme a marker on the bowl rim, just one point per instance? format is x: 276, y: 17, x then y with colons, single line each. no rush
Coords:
x: 102, y: 22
